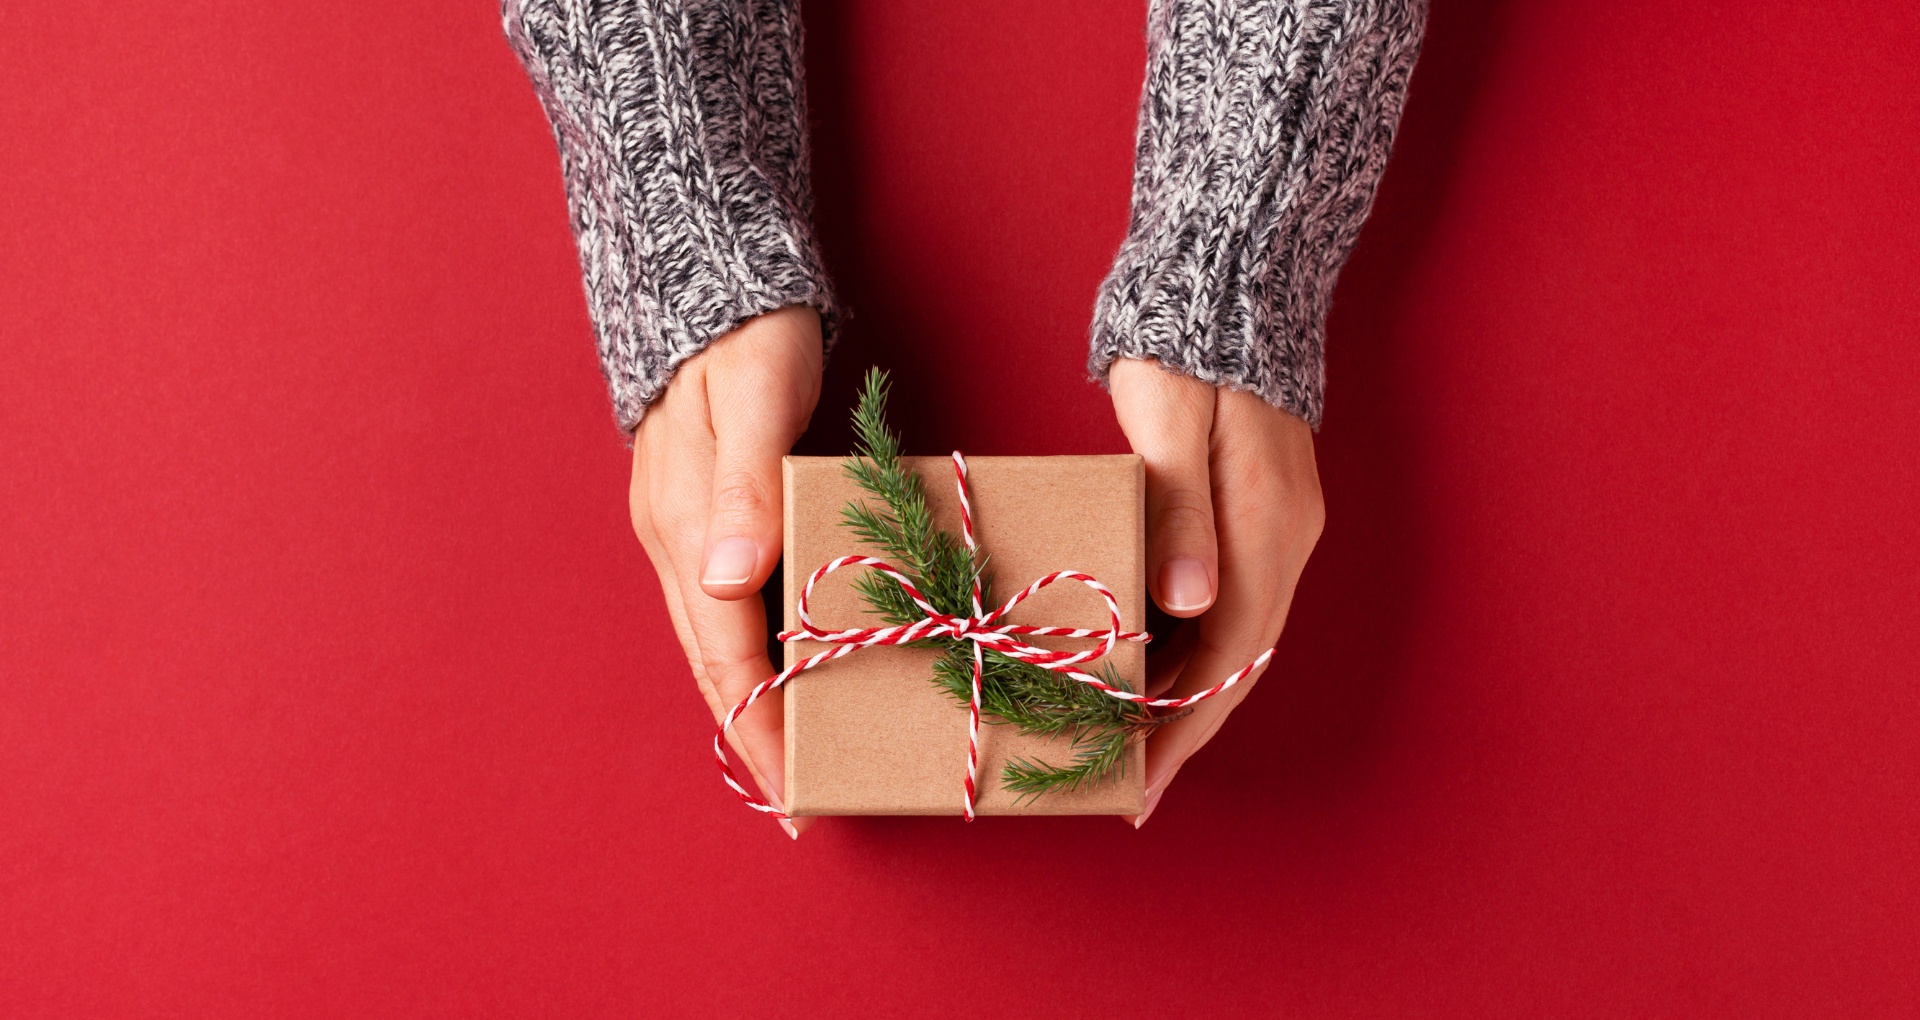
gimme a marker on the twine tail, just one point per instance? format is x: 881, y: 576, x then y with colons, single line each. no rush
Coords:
x: 973, y: 735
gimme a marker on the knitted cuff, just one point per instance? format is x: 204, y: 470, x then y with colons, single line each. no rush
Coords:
x: 683, y: 143
x: 1263, y: 131
x: 1205, y: 303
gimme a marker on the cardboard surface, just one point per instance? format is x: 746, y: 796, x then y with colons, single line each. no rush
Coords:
x: 870, y: 734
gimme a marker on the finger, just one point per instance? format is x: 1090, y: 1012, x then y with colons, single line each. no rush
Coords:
x: 1268, y: 516
x: 1174, y: 742
x: 770, y: 786
x: 729, y: 638
x: 761, y: 386
x: 1167, y: 419
x: 646, y: 469
x: 732, y: 639
x: 649, y: 465
x: 676, y: 459
x: 1152, y: 801
x: 760, y: 396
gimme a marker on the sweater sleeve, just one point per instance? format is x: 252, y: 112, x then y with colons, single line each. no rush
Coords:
x: 682, y: 132
x: 1264, y: 127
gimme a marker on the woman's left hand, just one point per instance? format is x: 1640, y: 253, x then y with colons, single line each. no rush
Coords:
x: 1233, y: 511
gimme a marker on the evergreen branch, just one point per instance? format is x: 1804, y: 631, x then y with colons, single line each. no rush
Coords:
x: 1092, y: 762
x: 903, y: 526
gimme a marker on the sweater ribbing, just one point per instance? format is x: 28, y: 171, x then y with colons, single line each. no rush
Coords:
x: 683, y: 142
x: 1263, y: 130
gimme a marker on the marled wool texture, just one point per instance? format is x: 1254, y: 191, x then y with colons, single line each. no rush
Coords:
x: 1264, y: 127
x: 683, y: 141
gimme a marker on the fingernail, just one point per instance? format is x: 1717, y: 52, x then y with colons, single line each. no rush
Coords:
x: 791, y: 831
x: 1183, y: 583
x: 731, y: 561
x: 1153, y: 801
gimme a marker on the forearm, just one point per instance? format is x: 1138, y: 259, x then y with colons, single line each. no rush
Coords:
x: 1264, y: 127
x: 681, y: 126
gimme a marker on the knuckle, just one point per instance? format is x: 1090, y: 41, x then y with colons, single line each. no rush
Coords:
x: 741, y: 497
x: 1183, y: 512
x: 1256, y: 516
x: 672, y: 516
x: 1314, y: 518
x: 647, y: 524
x: 1271, y: 505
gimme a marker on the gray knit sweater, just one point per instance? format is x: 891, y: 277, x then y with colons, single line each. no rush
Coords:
x: 682, y: 128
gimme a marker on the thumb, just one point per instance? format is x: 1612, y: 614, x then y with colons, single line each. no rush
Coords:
x: 1168, y: 420
x: 760, y: 394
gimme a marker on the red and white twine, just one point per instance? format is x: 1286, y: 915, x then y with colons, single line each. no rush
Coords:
x: 978, y: 628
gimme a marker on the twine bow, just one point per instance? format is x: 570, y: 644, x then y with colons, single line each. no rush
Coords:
x: 978, y: 629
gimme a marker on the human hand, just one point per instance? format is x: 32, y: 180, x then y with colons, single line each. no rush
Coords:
x: 1233, y: 511
x: 706, y: 497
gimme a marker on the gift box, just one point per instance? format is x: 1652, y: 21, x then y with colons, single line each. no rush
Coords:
x: 870, y: 733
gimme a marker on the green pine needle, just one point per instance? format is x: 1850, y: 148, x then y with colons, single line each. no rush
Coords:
x: 1032, y: 699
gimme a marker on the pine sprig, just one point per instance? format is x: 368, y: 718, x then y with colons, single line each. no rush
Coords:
x: 1032, y: 699
x: 1092, y: 761
x: 901, y: 525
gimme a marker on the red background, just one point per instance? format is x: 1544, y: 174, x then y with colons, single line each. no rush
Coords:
x: 333, y: 683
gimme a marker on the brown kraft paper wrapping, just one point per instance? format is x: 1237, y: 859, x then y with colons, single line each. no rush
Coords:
x: 870, y: 733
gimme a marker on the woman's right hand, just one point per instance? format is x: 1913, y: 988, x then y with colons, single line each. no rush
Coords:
x: 706, y: 498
